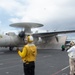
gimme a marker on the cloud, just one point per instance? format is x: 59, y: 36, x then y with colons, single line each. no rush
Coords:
x: 14, y: 20
x: 42, y: 11
x: 0, y: 22
x: 58, y: 14
x: 13, y: 7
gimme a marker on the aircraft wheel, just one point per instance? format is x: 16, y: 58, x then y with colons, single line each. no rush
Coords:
x: 10, y: 48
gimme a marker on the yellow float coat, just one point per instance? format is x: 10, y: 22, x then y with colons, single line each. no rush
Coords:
x: 28, y: 53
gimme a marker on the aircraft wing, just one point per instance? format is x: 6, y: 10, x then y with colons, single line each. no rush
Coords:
x: 52, y: 33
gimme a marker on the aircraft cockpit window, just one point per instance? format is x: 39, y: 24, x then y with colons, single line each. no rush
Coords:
x: 10, y: 33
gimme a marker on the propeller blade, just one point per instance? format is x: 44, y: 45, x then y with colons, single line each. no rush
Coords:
x: 21, y: 34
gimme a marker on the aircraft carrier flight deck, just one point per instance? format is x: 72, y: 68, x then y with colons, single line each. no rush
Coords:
x: 49, y: 62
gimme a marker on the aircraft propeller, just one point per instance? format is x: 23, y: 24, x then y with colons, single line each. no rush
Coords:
x: 21, y: 34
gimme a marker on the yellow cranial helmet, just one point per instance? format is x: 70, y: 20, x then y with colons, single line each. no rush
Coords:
x: 30, y: 39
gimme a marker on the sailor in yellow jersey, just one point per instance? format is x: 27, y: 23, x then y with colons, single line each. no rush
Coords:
x: 28, y: 55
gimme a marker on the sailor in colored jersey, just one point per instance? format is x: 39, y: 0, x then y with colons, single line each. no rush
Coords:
x: 28, y: 55
x: 71, y: 54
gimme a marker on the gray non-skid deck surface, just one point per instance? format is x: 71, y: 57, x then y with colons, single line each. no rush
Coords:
x: 49, y: 62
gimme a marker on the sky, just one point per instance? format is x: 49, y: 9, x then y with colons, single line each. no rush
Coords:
x: 53, y: 14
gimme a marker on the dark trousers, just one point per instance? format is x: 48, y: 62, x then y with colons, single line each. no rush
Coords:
x: 29, y: 69
x: 63, y: 49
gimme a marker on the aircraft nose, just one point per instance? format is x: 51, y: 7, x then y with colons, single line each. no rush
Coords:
x: 0, y: 36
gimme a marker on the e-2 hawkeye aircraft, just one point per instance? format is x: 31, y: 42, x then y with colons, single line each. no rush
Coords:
x: 47, y: 40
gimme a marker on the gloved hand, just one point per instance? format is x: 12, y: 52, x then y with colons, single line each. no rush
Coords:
x: 17, y: 48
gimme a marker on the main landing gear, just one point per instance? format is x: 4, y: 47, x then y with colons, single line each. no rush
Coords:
x: 10, y: 48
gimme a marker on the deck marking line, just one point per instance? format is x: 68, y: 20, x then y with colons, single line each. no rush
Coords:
x: 60, y: 70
